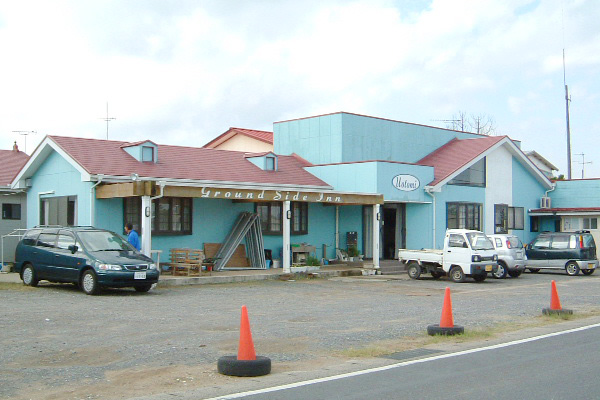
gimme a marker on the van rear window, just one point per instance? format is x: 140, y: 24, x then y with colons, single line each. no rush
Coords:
x: 588, y: 241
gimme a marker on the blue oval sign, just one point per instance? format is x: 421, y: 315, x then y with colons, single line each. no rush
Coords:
x: 406, y: 183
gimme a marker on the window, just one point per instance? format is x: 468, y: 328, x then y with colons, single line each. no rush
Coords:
x: 60, y: 210
x: 270, y: 166
x: 472, y: 176
x: 170, y: 215
x: 570, y: 223
x: 64, y: 240
x: 534, y: 224
x: 560, y: 242
x: 11, y: 211
x: 148, y: 153
x: 46, y: 239
x: 271, y: 218
x: 506, y: 218
x: 457, y: 241
x: 463, y: 216
x: 541, y: 243
x: 30, y: 237
x: 516, y: 218
x: 590, y: 223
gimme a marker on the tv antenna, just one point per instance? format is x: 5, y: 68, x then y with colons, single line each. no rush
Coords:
x: 583, y: 162
x: 25, y: 134
x: 456, y: 123
x: 107, y: 119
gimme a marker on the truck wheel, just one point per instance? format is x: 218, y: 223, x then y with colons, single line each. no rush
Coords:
x: 572, y: 268
x: 436, y: 274
x: 501, y: 271
x: 414, y: 270
x: 479, y: 278
x: 514, y: 274
x: 588, y: 271
x: 534, y: 270
x: 457, y: 274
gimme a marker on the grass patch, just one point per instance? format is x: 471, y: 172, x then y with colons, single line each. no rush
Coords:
x: 13, y: 286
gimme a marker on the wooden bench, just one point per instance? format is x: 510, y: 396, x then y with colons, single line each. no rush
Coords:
x: 186, y: 262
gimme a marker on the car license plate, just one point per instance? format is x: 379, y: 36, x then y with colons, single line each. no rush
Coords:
x: 139, y: 275
x: 488, y: 268
x: 591, y: 265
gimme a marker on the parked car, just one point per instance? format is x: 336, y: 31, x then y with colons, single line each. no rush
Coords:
x: 89, y: 257
x: 573, y: 251
x: 465, y: 253
x: 511, y: 255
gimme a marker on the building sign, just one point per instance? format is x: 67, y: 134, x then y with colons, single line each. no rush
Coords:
x: 406, y: 183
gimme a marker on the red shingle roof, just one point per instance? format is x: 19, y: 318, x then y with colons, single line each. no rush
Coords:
x: 455, y: 154
x: 263, y: 136
x: 572, y: 210
x: 177, y: 162
x: 11, y: 163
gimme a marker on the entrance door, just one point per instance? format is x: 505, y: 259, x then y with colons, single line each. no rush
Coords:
x: 389, y: 233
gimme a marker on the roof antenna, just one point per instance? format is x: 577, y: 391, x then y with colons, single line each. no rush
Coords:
x: 25, y: 134
x: 107, y: 119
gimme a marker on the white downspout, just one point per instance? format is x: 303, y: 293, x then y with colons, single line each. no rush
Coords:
x: 429, y: 191
x: 286, y: 238
x: 337, y: 229
x: 147, y: 219
x: 92, y: 202
x: 550, y: 190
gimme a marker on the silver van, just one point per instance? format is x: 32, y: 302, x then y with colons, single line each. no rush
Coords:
x: 511, y: 255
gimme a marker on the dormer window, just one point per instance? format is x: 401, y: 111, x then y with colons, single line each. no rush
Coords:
x: 270, y: 163
x: 147, y: 154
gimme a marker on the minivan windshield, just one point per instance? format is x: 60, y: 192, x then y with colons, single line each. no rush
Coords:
x: 479, y: 241
x: 103, y: 241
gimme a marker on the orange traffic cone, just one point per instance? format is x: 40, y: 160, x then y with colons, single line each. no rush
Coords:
x: 246, y: 363
x: 446, y: 326
x: 246, y: 346
x: 555, y: 307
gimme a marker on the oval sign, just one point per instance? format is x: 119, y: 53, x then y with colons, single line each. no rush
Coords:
x: 406, y: 183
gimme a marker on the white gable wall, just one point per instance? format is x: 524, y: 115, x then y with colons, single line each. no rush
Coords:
x: 498, y: 184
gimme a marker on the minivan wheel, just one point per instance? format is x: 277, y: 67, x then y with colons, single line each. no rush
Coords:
x: 457, y: 274
x: 534, y: 270
x: 28, y: 276
x: 572, y: 268
x: 89, y: 283
x: 500, y: 271
x: 143, y: 289
x: 514, y: 274
x: 588, y: 271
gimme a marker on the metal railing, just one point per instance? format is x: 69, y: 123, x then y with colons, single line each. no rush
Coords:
x: 16, y: 233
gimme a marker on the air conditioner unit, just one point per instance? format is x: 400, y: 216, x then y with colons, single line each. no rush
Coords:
x: 545, y: 202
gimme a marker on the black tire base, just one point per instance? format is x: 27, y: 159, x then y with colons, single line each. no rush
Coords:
x: 549, y: 311
x: 433, y: 330
x: 230, y: 365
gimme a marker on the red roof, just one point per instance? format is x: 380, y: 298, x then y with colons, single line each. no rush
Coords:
x: 455, y: 154
x: 11, y: 162
x: 177, y: 162
x: 572, y: 210
x: 263, y: 136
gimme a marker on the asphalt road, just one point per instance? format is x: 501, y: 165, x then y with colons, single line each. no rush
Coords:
x: 555, y: 367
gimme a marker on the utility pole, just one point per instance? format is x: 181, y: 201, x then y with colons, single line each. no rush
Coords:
x: 107, y: 119
x: 583, y: 162
x: 567, y: 100
x: 25, y: 134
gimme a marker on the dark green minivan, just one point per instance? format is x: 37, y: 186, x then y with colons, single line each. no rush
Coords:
x: 89, y: 257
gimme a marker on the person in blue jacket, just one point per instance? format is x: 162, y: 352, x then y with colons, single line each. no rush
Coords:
x: 132, y: 236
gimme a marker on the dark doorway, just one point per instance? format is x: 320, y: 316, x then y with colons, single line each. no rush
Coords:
x: 557, y: 225
x: 389, y: 233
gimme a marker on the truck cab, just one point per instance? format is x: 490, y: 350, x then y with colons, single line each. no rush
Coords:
x: 471, y: 251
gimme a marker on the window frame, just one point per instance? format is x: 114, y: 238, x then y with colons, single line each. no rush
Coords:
x: 10, y: 209
x: 468, y: 217
x: 295, y: 206
x: 132, y: 212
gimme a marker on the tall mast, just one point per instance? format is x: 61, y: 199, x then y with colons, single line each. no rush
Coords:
x: 567, y: 100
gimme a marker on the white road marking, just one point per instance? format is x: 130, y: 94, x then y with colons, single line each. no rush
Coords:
x: 402, y: 364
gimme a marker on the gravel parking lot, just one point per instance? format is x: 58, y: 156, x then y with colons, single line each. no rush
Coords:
x: 61, y: 344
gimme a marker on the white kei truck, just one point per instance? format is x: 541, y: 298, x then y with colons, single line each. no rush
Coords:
x: 465, y: 253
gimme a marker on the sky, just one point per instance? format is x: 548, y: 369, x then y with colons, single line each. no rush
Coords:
x: 182, y: 72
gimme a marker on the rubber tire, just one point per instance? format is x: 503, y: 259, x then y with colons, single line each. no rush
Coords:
x: 514, y: 274
x: 457, y: 275
x: 534, y: 270
x: 143, y: 289
x: 479, y: 278
x: 437, y: 330
x: 575, y: 268
x: 93, y: 287
x: 436, y: 274
x: 230, y: 365
x: 414, y: 270
x: 588, y: 271
x: 501, y: 271
x: 31, y: 276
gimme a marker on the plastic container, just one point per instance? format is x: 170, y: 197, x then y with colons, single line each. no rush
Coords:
x: 276, y: 263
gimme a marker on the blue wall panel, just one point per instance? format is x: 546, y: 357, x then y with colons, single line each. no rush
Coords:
x: 576, y: 193
x: 527, y: 192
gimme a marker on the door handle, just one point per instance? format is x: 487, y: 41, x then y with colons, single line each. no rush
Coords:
x: 449, y: 251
